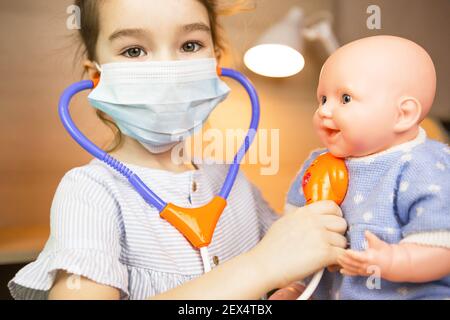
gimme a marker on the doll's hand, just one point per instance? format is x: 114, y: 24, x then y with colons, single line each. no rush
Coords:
x: 361, y: 263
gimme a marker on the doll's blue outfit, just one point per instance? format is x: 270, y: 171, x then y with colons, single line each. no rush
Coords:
x: 400, y: 195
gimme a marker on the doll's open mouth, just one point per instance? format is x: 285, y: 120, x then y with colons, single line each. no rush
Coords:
x: 331, y: 133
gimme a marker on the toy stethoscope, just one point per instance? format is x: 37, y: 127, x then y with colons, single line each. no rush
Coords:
x: 325, y: 179
x: 196, y: 224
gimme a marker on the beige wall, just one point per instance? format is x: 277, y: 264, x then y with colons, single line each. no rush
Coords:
x: 37, y: 64
x: 422, y: 21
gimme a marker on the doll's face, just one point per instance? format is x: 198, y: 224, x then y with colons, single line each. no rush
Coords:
x: 354, y: 117
x: 372, y: 95
x: 356, y: 113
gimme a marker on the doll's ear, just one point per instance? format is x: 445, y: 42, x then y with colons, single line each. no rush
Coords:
x: 409, y: 111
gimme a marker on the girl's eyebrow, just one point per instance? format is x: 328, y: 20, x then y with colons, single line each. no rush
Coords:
x: 198, y: 26
x: 134, y: 32
x: 139, y: 32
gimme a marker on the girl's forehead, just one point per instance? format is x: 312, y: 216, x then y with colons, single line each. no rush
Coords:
x: 153, y: 15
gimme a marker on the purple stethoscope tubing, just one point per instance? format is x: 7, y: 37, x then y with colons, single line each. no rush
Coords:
x: 149, y: 196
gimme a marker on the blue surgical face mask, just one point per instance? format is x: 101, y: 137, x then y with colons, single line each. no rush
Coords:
x: 159, y: 103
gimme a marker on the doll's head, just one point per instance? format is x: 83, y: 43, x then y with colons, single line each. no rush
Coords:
x: 372, y: 94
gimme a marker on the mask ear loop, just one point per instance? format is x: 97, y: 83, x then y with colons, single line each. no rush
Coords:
x: 99, y: 68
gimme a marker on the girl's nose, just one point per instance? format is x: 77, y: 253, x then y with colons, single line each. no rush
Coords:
x: 164, y: 54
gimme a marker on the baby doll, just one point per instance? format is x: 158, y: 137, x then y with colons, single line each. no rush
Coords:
x: 373, y: 93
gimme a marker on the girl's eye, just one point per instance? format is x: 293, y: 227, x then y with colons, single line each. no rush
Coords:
x: 346, y: 98
x: 134, y: 52
x: 191, y: 46
x: 324, y: 100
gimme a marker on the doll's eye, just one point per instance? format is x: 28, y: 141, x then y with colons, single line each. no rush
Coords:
x: 346, y: 98
x: 134, y: 52
x: 323, y: 100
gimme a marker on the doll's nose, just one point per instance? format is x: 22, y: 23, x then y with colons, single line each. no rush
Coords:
x: 325, y: 111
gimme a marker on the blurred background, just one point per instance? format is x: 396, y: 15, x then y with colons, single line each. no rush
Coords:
x: 37, y: 60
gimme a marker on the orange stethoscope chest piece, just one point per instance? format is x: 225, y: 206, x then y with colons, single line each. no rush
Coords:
x: 325, y: 179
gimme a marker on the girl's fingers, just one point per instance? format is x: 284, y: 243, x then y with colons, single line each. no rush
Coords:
x: 326, y: 207
x: 289, y: 209
x: 336, y: 252
x: 334, y: 223
x: 337, y: 240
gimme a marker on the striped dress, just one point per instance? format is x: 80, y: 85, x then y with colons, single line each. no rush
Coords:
x: 103, y: 230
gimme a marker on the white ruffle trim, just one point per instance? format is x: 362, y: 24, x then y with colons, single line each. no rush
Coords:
x: 36, y: 279
x: 435, y: 239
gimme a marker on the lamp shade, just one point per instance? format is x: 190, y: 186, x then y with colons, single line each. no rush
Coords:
x: 278, y: 51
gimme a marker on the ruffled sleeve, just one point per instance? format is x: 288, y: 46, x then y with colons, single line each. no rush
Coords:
x: 84, y: 239
x: 422, y: 201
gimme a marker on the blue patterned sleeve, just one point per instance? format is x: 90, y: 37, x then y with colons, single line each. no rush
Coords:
x: 423, y: 193
x: 295, y: 195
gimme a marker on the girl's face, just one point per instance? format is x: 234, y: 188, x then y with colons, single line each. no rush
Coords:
x: 153, y: 30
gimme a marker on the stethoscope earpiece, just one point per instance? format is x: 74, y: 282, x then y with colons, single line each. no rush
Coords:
x: 95, y: 80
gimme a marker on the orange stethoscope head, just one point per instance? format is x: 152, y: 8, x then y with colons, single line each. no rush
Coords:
x: 325, y: 179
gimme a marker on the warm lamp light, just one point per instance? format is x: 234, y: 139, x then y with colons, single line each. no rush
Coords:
x: 278, y: 53
x: 274, y: 60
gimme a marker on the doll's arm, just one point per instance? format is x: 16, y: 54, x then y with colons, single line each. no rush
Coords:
x: 404, y: 262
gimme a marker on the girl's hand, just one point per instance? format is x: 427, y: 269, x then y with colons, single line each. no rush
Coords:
x: 301, y: 242
x: 291, y: 292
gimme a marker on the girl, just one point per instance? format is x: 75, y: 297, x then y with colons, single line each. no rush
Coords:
x: 107, y: 243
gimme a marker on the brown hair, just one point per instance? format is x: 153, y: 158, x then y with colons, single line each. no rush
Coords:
x: 90, y: 27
